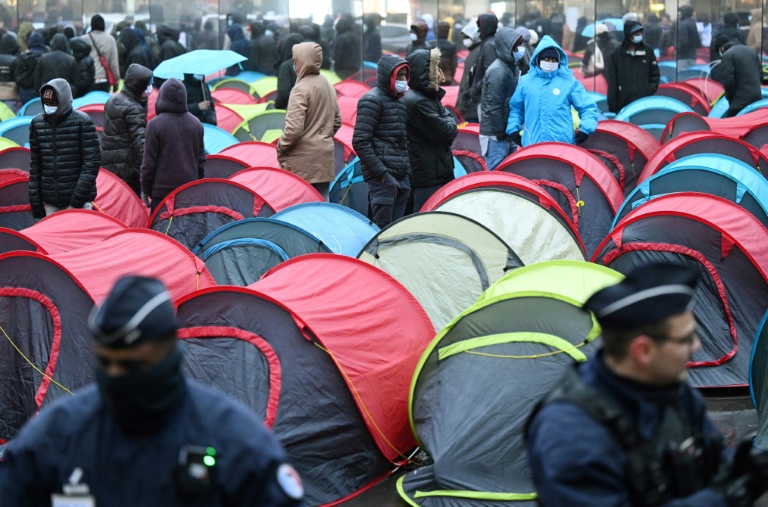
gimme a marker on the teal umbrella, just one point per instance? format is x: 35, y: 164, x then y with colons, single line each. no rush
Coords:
x: 200, y: 61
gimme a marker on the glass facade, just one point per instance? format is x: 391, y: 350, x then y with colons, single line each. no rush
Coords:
x: 570, y: 22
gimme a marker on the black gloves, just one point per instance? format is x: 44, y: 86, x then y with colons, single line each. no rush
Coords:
x: 516, y: 138
x: 580, y: 137
x: 746, y: 481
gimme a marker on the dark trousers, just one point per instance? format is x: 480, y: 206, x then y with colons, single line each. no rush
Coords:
x: 100, y: 87
x: 388, y: 199
x: 421, y: 195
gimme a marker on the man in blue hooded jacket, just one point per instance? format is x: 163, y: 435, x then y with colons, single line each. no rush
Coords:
x: 542, y: 101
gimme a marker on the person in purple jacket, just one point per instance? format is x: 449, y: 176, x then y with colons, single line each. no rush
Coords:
x: 174, y: 153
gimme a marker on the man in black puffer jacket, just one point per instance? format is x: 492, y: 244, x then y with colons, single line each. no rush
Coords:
x: 381, y: 143
x: 65, y: 154
x: 499, y: 85
x: 487, y: 24
x: 431, y: 128
x: 86, y: 69
x: 125, y: 122
x: 58, y: 63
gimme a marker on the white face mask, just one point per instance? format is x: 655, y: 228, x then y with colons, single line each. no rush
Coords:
x: 414, y: 37
x: 50, y: 109
x: 401, y: 86
x: 148, y: 91
x: 467, y: 42
x: 548, y: 66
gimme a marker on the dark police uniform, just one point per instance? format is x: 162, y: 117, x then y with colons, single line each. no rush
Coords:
x: 195, y: 447
x: 606, y: 440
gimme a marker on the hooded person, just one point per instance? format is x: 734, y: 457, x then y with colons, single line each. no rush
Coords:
x: 380, y: 140
x: 739, y: 71
x: 431, y: 128
x: 174, y: 152
x: 371, y: 37
x: 103, y: 43
x: 499, y: 85
x: 448, y: 56
x: 688, y: 40
x: 312, y: 118
x: 146, y: 47
x: 468, y: 108
x: 86, y: 68
x: 418, y: 36
x: 347, y: 49
x: 154, y: 48
x: 207, y: 38
x: 240, y: 45
x: 263, y: 50
x: 57, y: 63
x: 309, y: 34
x: 488, y: 24
x: 199, y: 100
x: 64, y: 149
x: 143, y: 422
x: 134, y: 52
x: 125, y: 124
x: 168, y: 39
x: 9, y: 91
x: 24, y: 70
x: 632, y: 72
x: 286, y: 73
x: 543, y: 99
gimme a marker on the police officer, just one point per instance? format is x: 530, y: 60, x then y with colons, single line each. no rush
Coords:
x: 144, y: 435
x: 626, y: 429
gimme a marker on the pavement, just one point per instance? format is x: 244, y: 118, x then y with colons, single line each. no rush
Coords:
x: 732, y: 412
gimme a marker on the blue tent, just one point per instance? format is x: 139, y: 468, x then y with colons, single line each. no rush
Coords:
x: 241, y: 252
x: 758, y: 374
x: 216, y: 139
x: 652, y: 110
x: 708, y: 173
x: 721, y: 106
x: 17, y: 130
x: 760, y: 104
x: 31, y: 108
x: 96, y: 97
x: 344, y: 231
x: 249, y: 76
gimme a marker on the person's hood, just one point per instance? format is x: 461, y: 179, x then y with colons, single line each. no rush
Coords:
x: 307, y: 59
x: 257, y: 29
x: 421, y: 29
x: 686, y: 11
x: 343, y: 26
x: 724, y: 41
x: 235, y: 33
x: 164, y: 33
x: 424, y: 65
x: 757, y: 16
x: 731, y: 20
x: 371, y: 21
x: 9, y: 45
x: 386, y: 71
x: 307, y: 33
x: 471, y: 29
x: 286, y: 46
x: 443, y: 29
x: 129, y: 39
x: 549, y: 42
x: 80, y: 48
x: 37, y: 43
x: 629, y: 26
x: 172, y: 97
x: 63, y: 95
x: 506, y: 39
x: 60, y: 43
x: 488, y: 24
x: 137, y: 78
x: 524, y: 32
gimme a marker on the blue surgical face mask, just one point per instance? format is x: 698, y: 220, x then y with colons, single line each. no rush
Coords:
x: 519, y: 54
x: 414, y: 37
x: 637, y: 39
x: 401, y: 86
x: 50, y: 109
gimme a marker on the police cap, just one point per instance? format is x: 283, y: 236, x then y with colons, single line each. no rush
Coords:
x: 649, y: 294
x: 137, y: 310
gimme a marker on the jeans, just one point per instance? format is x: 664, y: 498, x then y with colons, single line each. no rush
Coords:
x: 498, y: 151
x: 388, y: 199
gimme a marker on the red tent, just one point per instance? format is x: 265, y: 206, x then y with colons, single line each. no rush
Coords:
x: 280, y: 189
x: 230, y: 96
x: 348, y: 109
x: 220, y: 166
x: 345, y: 133
x: 15, y: 210
x: 13, y: 174
x: 687, y: 94
x: 349, y: 88
x: 15, y: 158
x: 593, y: 84
x: 138, y: 252
x: 451, y: 95
x: 702, y: 142
x: 116, y: 199
x: 710, y: 88
x: 253, y: 154
x: 355, y: 311
x: 151, y: 101
x: 69, y: 230
x: 96, y: 112
x: 738, y: 126
x: 226, y: 118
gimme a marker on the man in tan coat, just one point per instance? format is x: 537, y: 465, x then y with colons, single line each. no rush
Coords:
x: 311, y: 120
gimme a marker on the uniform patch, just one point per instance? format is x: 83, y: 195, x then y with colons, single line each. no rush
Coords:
x: 289, y: 480
x: 556, y: 91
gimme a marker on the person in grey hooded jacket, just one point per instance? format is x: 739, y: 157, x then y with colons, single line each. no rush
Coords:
x: 499, y: 85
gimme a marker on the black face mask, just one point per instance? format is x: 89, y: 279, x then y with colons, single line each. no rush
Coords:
x: 142, y: 402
